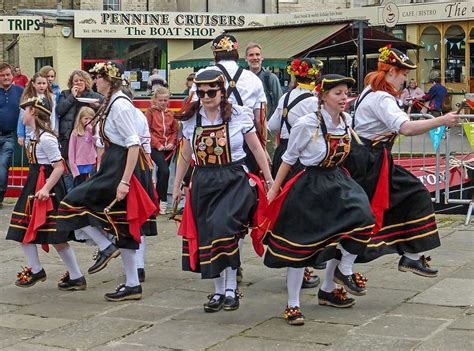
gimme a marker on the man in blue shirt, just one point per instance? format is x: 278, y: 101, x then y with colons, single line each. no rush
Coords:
x: 436, y: 96
x: 10, y: 95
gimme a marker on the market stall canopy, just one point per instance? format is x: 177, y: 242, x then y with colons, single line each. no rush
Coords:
x: 280, y: 43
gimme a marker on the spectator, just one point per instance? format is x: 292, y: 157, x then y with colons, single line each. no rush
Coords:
x: 50, y: 74
x: 187, y: 91
x: 9, y: 110
x: 410, y: 93
x: 436, y: 96
x: 19, y: 79
x: 164, y: 135
x: 79, y: 84
x: 155, y: 80
x: 271, y: 84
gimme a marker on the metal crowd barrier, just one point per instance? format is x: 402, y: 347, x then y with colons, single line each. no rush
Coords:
x: 448, y: 171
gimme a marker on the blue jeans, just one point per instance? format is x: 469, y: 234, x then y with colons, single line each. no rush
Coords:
x: 68, y: 178
x: 7, y: 143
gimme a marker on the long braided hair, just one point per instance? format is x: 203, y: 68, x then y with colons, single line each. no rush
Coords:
x: 42, y: 122
x: 115, y: 85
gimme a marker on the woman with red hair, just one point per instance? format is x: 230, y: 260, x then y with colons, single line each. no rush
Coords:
x: 405, y: 220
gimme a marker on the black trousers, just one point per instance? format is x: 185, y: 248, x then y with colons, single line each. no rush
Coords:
x: 163, y: 172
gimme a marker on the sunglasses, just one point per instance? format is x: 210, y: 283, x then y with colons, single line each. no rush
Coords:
x: 211, y: 93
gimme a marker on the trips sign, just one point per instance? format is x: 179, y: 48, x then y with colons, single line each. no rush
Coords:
x: 171, y: 25
x: 20, y: 24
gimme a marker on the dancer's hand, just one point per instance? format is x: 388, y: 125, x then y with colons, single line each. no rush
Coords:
x: 451, y: 119
x: 122, y: 191
x: 42, y: 194
x: 177, y: 195
x: 272, y: 194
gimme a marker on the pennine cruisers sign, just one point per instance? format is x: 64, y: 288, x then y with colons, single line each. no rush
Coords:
x: 170, y: 25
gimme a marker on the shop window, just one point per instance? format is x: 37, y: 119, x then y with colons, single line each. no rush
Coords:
x: 111, y: 5
x: 138, y: 56
x: 430, y: 55
x: 455, y: 61
x: 471, y: 54
x: 43, y: 61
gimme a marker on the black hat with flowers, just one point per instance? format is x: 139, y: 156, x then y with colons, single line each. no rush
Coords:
x: 112, y: 69
x: 209, y: 76
x: 37, y: 103
x: 224, y: 42
x: 329, y: 81
x: 395, y: 57
x: 306, y: 68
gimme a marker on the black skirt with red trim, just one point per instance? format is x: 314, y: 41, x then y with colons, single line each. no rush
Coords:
x: 85, y: 204
x: 276, y: 162
x: 409, y: 223
x: 21, y: 215
x: 223, y: 202
x: 322, y: 208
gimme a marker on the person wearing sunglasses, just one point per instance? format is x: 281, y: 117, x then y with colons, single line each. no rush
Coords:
x: 222, y: 201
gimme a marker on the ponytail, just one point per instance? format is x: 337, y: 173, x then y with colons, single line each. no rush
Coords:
x: 377, y: 79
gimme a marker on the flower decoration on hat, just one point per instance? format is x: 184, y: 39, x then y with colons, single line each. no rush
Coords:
x: 386, y: 54
x: 109, y: 69
x: 395, y: 57
x: 304, y: 68
x: 226, y: 43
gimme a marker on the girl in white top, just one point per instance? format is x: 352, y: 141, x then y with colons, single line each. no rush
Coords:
x: 321, y: 213
x: 222, y: 200
x: 405, y: 222
x: 34, y: 216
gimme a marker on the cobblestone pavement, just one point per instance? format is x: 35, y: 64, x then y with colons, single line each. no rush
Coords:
x: 401, y: 311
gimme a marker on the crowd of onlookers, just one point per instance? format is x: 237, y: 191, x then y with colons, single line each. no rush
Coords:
x: 73, y: 110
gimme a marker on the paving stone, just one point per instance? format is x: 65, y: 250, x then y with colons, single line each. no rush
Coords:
x: 90, y: 332
x: 5, y: 308
x: 176, y: 298
x: 314, y: 332
x: 464, y: 272
x: 458, y: 240
x: 429, y: 311
x: 187, y: 335
x: 260, y: 344
x: 448, y: 292
x: 448, y: 340
x: 466, y: 323
x: 122, y: 346
x: 445, y: 257
x: 23, y: 321
x: 372, y: 343
x: 10, y: 336
x: 65, y: 309
x: 24, y: 346
x: 400, y: 327
x: 141, y: 312
x: 41, y: 292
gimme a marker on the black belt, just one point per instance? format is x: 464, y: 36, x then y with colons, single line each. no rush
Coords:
x: 5, y: 133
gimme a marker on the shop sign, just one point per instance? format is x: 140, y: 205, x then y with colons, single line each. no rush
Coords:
x: 167, y: 25
x: 20, y: 24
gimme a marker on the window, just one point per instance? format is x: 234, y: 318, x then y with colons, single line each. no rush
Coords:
x: 455, y: 63
x: 430, y: 55
x: 112, y: 5
x: 43, y: 61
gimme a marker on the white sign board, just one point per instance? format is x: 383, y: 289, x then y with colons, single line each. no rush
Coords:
x: 20, y: 24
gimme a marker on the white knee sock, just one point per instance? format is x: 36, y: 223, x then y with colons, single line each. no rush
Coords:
x: 230, y: 281
x: 219, y: 284
x: 96, y: 236
x: 129, y: 259
x: 412, y: 256
x: 294, y: 279
x: 241, y: 247
x: 328, y: 283
x: 31, y: 252
x: 141, y: 254
x: 347, y: 261
x: 69, y: 259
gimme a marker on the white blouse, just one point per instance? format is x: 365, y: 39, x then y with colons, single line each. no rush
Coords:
x: 250, y: 87
x: 240, y: 124
x: 302, y: 145
x: 47, y: 148
x: 121, y: 123
x: 143, y: 131
x: 378, y: 114
x: 302, y: 108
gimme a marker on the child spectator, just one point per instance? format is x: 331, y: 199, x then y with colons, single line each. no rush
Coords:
x: 82, y: 152
x: 164, y: 134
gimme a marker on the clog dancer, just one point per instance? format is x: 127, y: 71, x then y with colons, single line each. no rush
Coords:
x: 405, y: 220
x: 222, y: 200
x: 321, y: 213
x: 113, y: 199
x: 33, y: 219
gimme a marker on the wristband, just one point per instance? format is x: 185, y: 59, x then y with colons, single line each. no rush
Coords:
x: 124, y: 182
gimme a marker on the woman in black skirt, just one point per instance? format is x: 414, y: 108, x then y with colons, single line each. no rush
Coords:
x: 321, y: 213
x: 405, y: 220
x: 119, y: 198
x: 34, y: 216
x: 222, y: 200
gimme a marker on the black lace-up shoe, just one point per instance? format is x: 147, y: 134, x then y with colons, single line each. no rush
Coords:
x: 422, y: 266
x: 215, y: 303
x: 231, y: 303
x: 26, y: 278
x: 348, y: 282
x: 336, y: 298
x: 310, y: 280
x: 102, y: 258
x: 67, y: 284
x: 123, y: 293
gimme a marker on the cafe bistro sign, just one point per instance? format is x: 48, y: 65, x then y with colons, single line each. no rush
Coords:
x: 171, y: 25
